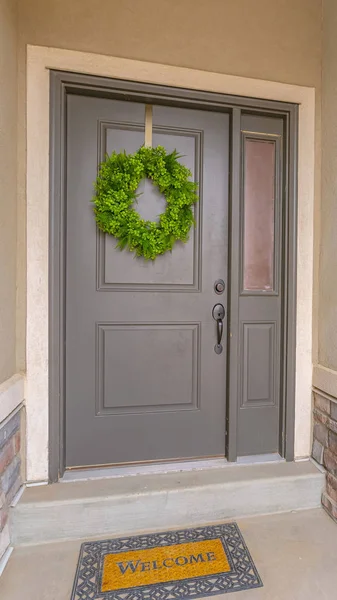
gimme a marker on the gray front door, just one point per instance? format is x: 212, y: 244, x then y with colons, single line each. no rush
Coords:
x: 143, y: 381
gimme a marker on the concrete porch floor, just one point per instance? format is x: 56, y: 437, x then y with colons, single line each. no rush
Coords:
x: 295, y: 554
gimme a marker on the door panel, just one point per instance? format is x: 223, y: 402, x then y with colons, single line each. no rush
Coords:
x: 171, y: 358
x: 142, y: 379
x: 258, y: 367
x: 260, y: 299
x: 181, y: 268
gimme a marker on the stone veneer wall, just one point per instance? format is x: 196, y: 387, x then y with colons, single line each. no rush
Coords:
x: 10, y: 472
x: 324, y: 449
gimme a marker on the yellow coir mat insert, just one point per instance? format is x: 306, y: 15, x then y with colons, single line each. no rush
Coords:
x: 167, y: 563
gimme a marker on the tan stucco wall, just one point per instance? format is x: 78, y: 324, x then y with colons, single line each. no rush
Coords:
x: 8, y: 103
x: 278, y: 40
x: 268, y: 39
x: 328, y: 252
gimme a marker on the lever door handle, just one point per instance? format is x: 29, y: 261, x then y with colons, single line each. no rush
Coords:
x: 218, y: 314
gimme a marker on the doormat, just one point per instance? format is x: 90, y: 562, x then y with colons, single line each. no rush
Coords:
x: 190, y: 563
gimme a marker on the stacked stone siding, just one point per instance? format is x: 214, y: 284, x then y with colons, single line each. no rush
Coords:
x: 324, y: 449
x: 10, y: 472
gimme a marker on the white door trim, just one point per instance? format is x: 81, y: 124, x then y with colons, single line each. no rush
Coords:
x: 39, y: 61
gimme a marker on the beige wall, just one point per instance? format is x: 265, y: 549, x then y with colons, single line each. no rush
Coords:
x: 278, y: 40
x: 8, y: 133
x: 328, y: 254
x: 267, y: 39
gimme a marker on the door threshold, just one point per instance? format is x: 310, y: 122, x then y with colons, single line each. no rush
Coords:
x: 164, y: 467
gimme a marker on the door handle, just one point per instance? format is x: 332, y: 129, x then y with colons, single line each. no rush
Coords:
x: 219, y: 330
x: 218, y: 314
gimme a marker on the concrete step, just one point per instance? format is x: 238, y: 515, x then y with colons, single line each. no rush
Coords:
x: 159, y: 501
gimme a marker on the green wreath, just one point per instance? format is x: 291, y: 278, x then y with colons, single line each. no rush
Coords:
x: 118, y: 179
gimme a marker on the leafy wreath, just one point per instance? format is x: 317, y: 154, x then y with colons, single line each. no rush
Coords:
x: 116, y: 185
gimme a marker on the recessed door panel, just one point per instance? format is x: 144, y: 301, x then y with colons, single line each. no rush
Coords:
x: 179, y: 268
x: 172, y: 357
x: 258, y: 380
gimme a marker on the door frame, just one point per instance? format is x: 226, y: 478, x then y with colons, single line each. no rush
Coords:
x: 63, y: 83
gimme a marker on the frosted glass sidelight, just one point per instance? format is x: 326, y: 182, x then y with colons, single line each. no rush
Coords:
x: 259, y: 203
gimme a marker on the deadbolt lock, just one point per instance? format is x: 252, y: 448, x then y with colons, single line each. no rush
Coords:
x: 219, y: 286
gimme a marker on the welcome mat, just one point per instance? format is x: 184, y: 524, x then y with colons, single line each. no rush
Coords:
x: 190, y: 563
